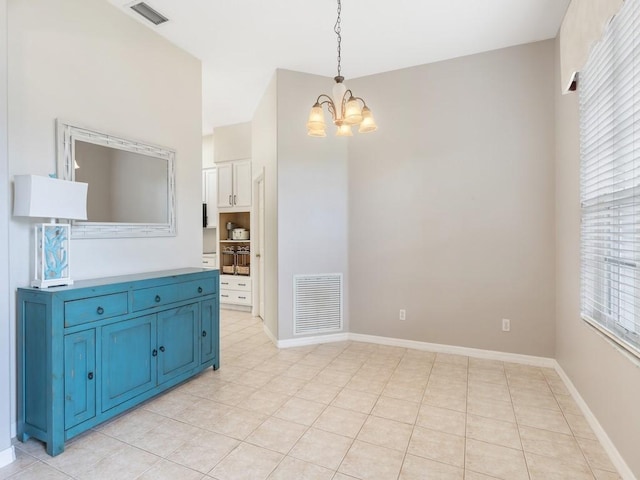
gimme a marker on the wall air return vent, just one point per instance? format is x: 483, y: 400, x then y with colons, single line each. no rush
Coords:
x: 149, y: 13
x: 317, y: 303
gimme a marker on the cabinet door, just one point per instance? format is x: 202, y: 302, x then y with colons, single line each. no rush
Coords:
x: 211, y: 183
x: 209, y: 334
x: 128, y: 359
x: 79, y: 377
x: 225, y: 185
x: 178, y: 336
x: 242, y: 184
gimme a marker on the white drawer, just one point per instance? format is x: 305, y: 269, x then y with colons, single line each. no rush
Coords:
x: 235, y: 282
x: 236, y: 297
x: 210, y: 261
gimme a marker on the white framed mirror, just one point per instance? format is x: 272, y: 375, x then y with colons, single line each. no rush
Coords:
x: 131, y: 189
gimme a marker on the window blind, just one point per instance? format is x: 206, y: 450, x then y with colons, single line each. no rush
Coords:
x: 610, y: 180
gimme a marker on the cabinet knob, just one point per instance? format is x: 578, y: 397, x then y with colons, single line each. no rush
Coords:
x: 100, y: 310
x: 154, y: 353
x: 204, y: 333
x: 90, y: 376
x: 157, y: 298
x: 199, y: 289
x: 162, y: 349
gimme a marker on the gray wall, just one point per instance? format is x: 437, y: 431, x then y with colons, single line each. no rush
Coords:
x: 264, y: 160
x: 451, y: 203
x: 607, y: 379
x: 312, y: 195
x: 87, y: 63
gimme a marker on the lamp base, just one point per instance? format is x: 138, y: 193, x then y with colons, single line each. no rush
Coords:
x: 59, y: 282
x: 51, y: 255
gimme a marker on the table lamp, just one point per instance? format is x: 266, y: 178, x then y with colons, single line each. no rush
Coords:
x: 45, y: 197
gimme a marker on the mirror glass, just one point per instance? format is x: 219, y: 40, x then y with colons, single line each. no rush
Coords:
x: 126, y: 187
x: 131, y: 184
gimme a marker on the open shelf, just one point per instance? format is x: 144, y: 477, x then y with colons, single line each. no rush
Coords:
x: 234, y: 255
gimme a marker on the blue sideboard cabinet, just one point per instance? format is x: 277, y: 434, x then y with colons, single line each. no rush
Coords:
x: 92, y: 350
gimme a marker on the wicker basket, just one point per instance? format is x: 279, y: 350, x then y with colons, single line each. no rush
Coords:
x: 228, y: 269
x: 240, y: 270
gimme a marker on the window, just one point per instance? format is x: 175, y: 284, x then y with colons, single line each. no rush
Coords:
x: 610, y: 181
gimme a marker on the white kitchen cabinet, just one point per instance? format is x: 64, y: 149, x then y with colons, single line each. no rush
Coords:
x: 234, y: 184
x: 210, y: 195
x: 235, y: 290
x: 209, y: 260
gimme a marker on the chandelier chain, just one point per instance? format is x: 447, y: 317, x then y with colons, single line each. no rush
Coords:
x: 337, y: 28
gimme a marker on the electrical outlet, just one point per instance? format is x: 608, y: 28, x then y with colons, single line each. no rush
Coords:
x: 506, y: 325
x: 403, y: 314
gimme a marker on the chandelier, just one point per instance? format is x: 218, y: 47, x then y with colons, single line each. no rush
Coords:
x: 346, y: 109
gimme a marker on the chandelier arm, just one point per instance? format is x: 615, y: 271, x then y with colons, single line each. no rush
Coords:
x: 353, y: 97
x: 324, y: 95
x: 329, y: 103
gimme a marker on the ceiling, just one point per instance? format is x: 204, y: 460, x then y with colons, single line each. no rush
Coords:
x: 242, y: 42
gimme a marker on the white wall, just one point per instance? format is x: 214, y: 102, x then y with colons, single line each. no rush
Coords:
x: 207, y: 151
x: 6, y: 319
x: 313, y: 222
x: 87, y: 63
x: 607, y: 379
x: 451, y: 203
x: 232, y: 142
x: 264, y: 158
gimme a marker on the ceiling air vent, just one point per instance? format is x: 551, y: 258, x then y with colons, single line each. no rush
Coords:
x: 149, y: 13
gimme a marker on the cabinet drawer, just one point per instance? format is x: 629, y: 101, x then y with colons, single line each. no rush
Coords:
x: 155, y: 296
x: 197, y: 288
x: 237, y: 297
x: 235, y: 282
x: 164, y: 294
x: 94, y: 308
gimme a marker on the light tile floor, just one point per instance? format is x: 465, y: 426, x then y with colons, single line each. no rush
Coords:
x: 338, y: 411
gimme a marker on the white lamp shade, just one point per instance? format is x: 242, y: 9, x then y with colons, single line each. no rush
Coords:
x: 368, y: 124
x: 353, y: 112
x: 344, y: 130
x: 45, y: 197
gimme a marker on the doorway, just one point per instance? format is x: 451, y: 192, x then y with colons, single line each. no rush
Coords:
x: 259, y: 296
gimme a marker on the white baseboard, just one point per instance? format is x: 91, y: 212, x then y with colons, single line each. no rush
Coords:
x: 7, y: 456
x: 430, y: 347
x: 617, y: 460
x: 268, y: 333
x: 303, y: 341
x: 469, y: 352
